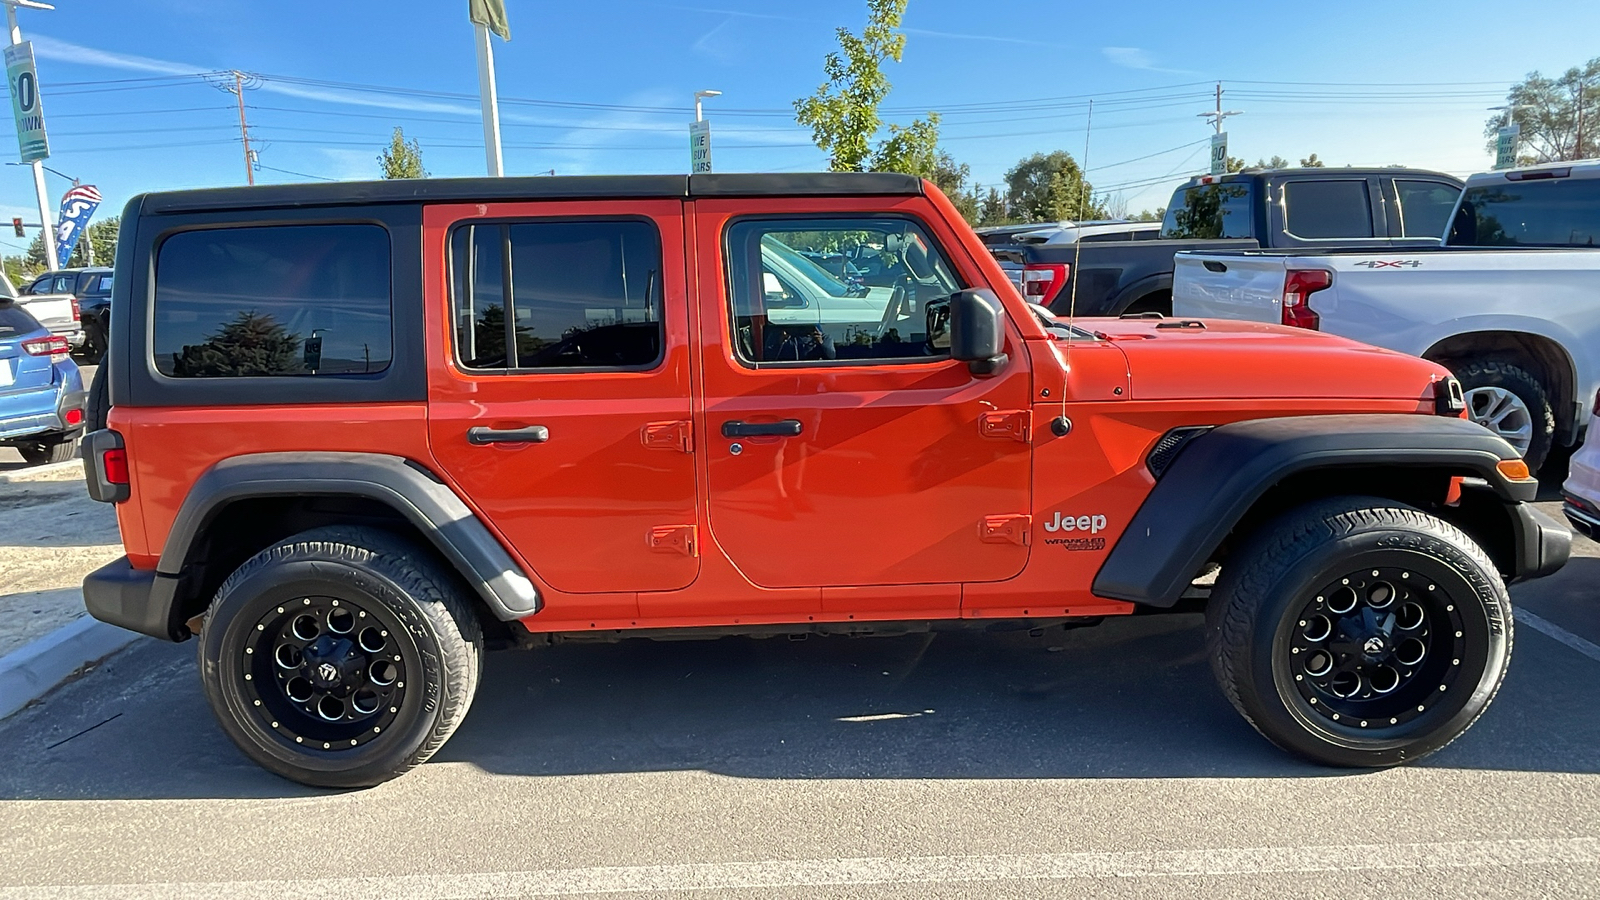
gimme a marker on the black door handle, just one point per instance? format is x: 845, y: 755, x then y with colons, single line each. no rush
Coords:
x: 737, y: 429
x: 533, y: 434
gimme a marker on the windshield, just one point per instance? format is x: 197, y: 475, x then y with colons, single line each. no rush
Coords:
x: 1557, y: 212
x: 1208, y: 212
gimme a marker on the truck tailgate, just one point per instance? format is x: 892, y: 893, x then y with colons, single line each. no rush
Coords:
x: 1229, y: 286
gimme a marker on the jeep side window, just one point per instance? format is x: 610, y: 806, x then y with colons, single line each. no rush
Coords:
x: 788, y: 307
x: 585, y: 294
x: 310, y: 300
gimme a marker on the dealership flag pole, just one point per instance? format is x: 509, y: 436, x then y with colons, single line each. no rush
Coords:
x: 487, y: 16
x: 26, y: 80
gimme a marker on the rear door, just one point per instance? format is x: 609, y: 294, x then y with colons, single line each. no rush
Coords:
x: 843, y: 446
x: 563, y: 413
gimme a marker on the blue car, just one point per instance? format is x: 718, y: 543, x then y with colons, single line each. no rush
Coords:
x: 41, y: 390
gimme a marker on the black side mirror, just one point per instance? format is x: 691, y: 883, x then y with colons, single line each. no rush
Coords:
x: 977, y: 331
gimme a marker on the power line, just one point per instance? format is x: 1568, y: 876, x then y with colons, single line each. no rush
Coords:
x: 261, y: 165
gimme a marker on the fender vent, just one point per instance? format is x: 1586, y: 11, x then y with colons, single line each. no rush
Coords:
x: 1171, y: 444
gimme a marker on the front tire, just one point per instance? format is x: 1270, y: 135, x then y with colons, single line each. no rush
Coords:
x: 341, y: 657
x: 1360, y: 632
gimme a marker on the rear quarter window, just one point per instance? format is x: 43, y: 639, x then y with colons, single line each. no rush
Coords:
x: 14, y: 321
x: 282, y: 300
x: 1559, y: 212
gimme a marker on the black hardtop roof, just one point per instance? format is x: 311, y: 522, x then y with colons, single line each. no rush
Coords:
x: 568, y: 187
x: 1323, y: 171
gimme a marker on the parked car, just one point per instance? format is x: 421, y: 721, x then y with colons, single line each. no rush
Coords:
x: 1508, y: 303
x: 1256, y: 208
x: 1096, y: 232
x: 88, y: 290
x: 1581, y: 493
x: 347, y: 453
x: 57, y: 312
x: 41, y: 391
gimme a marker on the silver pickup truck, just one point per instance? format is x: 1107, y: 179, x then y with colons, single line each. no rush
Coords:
x: 1510, y: 302
x: 56, y: 311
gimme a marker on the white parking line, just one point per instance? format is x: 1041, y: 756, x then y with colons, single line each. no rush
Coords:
x: 1551, y: 629
x: 801, y: 873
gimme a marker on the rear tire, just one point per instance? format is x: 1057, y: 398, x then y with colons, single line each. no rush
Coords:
x: 1349, y: 668
x: 1526, y: 411
x: 341, y: 657
x: 38, y: 453
x: 99, y: 405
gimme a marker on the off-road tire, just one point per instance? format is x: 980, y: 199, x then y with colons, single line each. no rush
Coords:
x: 99, y: 404
x: 441, y: 642
x: 38, y: 453
x: 1481, y: 373
x: 1255, y: 616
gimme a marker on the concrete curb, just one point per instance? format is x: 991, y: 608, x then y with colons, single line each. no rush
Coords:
x: 33, y: 474
x: 34, y: 669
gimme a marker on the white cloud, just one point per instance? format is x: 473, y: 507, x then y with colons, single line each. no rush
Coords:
x: 1128, y: 57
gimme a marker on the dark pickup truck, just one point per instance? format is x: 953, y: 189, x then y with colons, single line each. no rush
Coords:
x: 1253, y: 209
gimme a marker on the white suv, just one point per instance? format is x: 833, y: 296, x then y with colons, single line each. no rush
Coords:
x: 1582, y: 490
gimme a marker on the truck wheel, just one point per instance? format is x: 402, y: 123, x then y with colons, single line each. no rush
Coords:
x: 38, y: 453
x: 341, y: 657
x: 1359, y: 632
x: 1508, y: 401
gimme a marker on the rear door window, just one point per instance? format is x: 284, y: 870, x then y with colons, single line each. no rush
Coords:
x: 303, y: 300
x: 1316, y: 210
x: 1557, y: 212
x: 1210, y: 211
x: 585, y: 294
x: 1425, y: 207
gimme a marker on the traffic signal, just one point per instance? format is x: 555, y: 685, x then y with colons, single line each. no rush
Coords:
x: 16, y: 225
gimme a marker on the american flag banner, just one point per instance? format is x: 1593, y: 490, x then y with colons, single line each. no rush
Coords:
x: 76, y: 208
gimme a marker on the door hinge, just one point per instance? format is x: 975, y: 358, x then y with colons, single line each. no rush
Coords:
x: 1011, y: 529
x: 1005, y: 425
x: 673, y: 539
x: 669, y: 436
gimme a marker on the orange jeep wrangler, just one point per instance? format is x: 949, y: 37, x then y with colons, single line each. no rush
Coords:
x: 359, y: 432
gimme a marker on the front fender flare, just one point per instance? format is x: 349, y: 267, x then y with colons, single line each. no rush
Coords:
x: 1204, y: 493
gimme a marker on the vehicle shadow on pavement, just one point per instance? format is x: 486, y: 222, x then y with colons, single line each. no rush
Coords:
x: 1130, y: 699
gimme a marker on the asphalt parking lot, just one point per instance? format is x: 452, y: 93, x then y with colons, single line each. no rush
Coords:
x: 1096, y: 762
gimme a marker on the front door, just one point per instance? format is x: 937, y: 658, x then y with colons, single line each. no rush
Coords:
x: 843, y: 446
x: 564, y: 411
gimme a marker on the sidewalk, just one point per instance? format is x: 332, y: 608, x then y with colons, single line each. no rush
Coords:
x: 51, y: 535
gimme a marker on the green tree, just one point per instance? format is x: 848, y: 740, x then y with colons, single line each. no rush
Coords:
x: 1311, y: 162
x: 992, y: 210
x: 843, y: 113
x: 1558, y: 116
x: 951, y: 178
x: 252, y: 344
x: 1050, y: 187
x: 1148, y: 216
x: 402, y: 158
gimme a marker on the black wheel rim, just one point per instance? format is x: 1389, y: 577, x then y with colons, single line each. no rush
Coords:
x: 325, y: 673
x: 1378, y: 648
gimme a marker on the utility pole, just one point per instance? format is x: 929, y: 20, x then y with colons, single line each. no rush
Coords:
x: 1219, y: 140
x: 1215, y: 118
x: 47, y: 237
x: 237, y: 88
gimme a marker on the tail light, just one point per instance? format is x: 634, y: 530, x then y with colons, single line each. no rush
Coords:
x: 77, y: 311
x: 1298, y: 286
x: 1042, y: 282
x: 54, y: 347
x: 105, y: 463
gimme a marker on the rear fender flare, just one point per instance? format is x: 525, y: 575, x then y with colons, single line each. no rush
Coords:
x: 406, y: 487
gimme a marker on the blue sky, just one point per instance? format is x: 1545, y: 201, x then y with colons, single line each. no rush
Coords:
x: 604, y: 87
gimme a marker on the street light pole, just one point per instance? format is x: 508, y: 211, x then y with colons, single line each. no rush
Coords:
x: 46, y: 223
x: 701, y: 95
